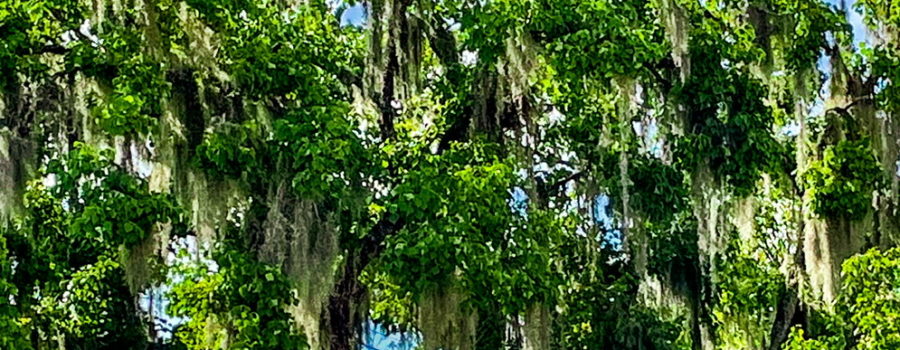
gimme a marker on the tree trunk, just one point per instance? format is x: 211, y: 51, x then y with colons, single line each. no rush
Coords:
x: 342, y: 319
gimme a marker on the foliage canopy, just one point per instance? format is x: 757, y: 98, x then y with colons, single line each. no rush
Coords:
x: 500, y: 174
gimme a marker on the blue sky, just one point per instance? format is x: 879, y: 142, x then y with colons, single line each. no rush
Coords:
x: 379, y: 339
x: 855, y: 19
x: 354, y: 15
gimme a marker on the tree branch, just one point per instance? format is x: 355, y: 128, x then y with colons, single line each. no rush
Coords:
x: 51, y: 49
x: 845, y: 109
x: 556, y: 186
x: 664, y: 83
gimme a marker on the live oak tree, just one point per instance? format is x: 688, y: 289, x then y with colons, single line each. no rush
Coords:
x: 502, y: 174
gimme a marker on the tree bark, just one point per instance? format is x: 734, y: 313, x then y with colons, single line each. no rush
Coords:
x: 341, y: 318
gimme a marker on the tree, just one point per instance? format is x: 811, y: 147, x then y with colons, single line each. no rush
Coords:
x: 516, y: 174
